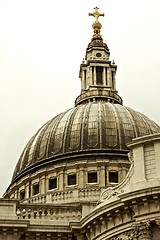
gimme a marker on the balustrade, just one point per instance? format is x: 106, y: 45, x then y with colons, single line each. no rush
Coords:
x: 90, y: 193
x: 48, y: 212
x: 37, y: 199
x: 70, y: 195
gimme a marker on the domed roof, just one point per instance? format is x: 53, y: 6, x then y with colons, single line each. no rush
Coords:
x: 100, y: 126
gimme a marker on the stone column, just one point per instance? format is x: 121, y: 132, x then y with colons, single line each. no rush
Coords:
x: 97, y: 228
x: 88, y: 235
x: 89, y: 82
x: 92, y: 232
x: 104, y: 76
x: 95, y: 83
x: 109, y: 78
x: 103, y: 224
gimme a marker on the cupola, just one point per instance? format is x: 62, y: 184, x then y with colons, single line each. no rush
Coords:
x: 97, y: 72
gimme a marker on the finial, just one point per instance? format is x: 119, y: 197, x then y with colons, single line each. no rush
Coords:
x: 96, y: 14
x: 96, y: 25
x: 113, y: 62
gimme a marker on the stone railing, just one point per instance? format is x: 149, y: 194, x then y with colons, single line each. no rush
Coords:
x: 49, y: 212
x: 64, y: 195
x: 70, y: 195
x: 76, y: 195
x: 93, y: 193
x: 37, y: 199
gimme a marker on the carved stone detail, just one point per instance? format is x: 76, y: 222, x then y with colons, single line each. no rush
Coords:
x: 140, y: 231
x: 145, y: 230
x: 109, y: 192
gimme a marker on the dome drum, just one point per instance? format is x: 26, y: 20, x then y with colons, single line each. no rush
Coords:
x: 55, y: 179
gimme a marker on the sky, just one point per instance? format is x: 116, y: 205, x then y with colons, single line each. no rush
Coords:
x: 43, y: 42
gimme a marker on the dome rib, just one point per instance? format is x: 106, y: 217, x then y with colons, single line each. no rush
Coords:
x: 128, y: 131
x: 111, y: 126
x: 93, y: 127
x: 131, y: 119
x: 84, y: 124
x: 66, y: 128
x: 100, y: 111
x: 54, y: 125
x: 75, y: 130
x: 57, y: 140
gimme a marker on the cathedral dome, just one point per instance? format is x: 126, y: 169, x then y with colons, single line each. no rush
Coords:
x: 89, y: 141
x: 85, y: 129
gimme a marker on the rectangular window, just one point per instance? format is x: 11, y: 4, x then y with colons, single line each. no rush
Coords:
x: 22, y: 194
x: 99, y: 71
x: 52, y: 183
x: 113, y: 177
x: 71, y: 179
x: 92, y: 177
x: 35, y: 188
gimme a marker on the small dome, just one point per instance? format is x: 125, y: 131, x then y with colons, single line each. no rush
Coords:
x: 99, y: 126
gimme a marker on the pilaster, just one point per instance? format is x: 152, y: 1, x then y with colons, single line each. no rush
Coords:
x: 61, y: 179
x: 102, y: 176
x: 43, y: 185
x: 27, y: 190
x: 81, y: 177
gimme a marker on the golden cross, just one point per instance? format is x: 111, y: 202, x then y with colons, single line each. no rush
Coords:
x: 96, y: 14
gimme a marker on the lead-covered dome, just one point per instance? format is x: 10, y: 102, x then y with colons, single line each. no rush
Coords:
x: 100, y: 126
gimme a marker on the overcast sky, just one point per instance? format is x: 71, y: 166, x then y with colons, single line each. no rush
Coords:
x: 42, y: 43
